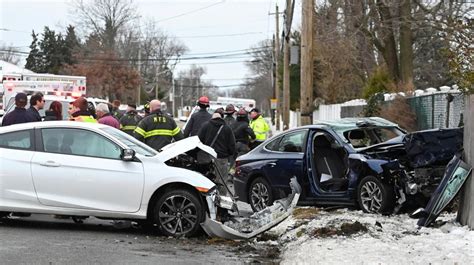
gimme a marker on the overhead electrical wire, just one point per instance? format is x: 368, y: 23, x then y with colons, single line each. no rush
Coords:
x: 191, y: 11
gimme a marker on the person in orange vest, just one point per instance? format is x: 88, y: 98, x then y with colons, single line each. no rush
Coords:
x: 80, y: 112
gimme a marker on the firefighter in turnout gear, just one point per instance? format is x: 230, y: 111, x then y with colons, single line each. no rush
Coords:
x: 157, y: 129
x: 129, y: 121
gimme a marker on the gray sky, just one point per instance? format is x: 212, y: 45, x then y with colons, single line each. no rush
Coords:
x: 247, y: 21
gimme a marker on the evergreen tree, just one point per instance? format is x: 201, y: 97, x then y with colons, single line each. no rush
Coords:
x: 71, y: 44
x: 34, y: 62
x: 51, y: 46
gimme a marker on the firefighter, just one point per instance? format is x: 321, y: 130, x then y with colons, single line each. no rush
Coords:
x: 130, y: 120
x: 229, y: 114
x: 259, y: 126
x: 243, y: 133
x: 157, y: 129
x: 198, y: 118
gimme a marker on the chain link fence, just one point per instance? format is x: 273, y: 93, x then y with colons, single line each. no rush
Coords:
x: 440, y: 110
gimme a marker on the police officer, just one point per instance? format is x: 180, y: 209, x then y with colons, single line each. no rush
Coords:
x: 259, y: 126
x: 243, y: 133
x: 198, y: 118
x: 80, y: 111
x: 129, y: 121
x: 157, y: 129
x: 18, y: 115
x: 229, y: 114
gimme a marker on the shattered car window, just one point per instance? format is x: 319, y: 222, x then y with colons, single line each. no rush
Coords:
x: 365, y: 137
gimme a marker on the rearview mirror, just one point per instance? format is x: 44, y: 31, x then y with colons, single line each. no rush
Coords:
x: 128, y: 154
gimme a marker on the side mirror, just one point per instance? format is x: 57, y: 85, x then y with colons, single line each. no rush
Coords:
x: 2, y: 112
x: 128, y: 155
x: 419, y: 213
x: 183, y: 118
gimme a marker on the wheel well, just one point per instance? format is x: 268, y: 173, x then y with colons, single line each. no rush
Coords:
x: 253, y: 177
x: 171, y: 186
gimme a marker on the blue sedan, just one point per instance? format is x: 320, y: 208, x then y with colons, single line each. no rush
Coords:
x: 346, y: 162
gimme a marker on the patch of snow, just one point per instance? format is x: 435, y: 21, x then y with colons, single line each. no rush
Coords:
x: 388, y: 240
x: 444, y: 88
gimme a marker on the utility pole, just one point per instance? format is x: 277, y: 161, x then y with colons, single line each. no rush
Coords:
x: 277, y: 64
x: 286, y: 66
x: 173, y: 97
x: 306, y: 89
x: 140, y: 73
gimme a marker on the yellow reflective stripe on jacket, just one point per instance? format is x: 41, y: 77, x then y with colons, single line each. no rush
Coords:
x: 159, y: 132
x: 140, y: 131
x: 128, y: 127
x: 175, y: 131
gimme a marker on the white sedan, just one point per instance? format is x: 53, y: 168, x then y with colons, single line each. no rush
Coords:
x: 83, y: 169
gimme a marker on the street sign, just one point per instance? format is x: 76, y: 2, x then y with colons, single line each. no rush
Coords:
x: 273, y: 103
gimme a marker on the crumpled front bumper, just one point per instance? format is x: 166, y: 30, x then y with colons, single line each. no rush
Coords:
x: 240, y: 227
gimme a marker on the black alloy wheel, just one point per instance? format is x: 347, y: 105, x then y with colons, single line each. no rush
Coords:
x: 260, y: 194
x: 179, y: 213
x: 374, y: 196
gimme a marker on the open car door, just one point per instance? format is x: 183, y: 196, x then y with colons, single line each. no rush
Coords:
x: 454, y: 178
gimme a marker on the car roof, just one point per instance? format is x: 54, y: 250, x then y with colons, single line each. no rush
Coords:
x: 352, y: 123
x: 51, y: 124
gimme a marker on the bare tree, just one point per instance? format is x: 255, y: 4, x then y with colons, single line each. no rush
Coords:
x: 105, y: 18
x: 9, y: 54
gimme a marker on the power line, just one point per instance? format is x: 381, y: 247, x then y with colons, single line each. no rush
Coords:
x: 220, y: 35
x: 191, y: 11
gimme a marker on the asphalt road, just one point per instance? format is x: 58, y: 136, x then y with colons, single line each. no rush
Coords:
x: 41, y: 239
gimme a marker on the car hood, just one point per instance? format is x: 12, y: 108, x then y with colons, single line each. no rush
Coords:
x: 180, y: 147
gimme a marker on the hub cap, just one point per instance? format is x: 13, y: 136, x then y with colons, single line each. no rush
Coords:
x: 371, y: 196
x: 178, y: 215
x: 259, y: 196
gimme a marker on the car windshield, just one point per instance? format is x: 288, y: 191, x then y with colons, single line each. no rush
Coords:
x: 132, y: 143
x: 361, y: 137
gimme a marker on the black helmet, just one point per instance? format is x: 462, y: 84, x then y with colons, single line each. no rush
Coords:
x: 229, y: 109
x: 146, y: 108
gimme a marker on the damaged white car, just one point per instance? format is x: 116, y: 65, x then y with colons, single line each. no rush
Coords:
x: 82, y: 169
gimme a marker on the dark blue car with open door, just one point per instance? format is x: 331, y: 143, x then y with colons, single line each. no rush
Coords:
x: 369, y: 162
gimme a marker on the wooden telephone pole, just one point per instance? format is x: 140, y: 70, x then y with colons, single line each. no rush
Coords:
x: 286, y: 66
x: 276, y: 53
x: 306, y: 89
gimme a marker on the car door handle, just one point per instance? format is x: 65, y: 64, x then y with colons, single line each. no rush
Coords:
x: 50, y: 163
x: 272, y: 164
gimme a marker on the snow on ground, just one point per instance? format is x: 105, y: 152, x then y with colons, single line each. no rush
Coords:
x: 317, y: 238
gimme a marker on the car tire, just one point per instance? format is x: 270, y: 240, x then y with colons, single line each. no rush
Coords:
x: 260, y: 194
x: 178, y: 213
x: 374, y: 196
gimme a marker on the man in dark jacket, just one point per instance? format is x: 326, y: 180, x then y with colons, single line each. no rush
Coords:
x: 224, y: 145
x: 115, y: 109
x: 36, y: 104
x: 157, y: 129
x: 18, y: 115
x: 129, y: 121
x: 198, y: 118
x: 229, y: 114
x: 243, y: 133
